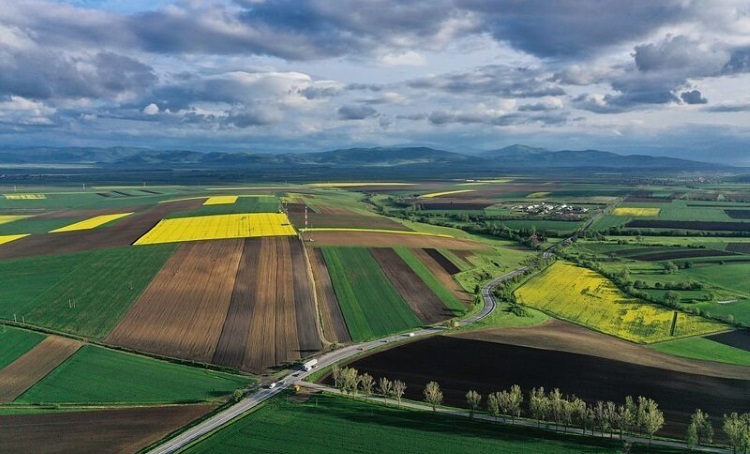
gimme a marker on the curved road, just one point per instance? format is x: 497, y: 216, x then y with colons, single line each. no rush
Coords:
x: 325, y: 360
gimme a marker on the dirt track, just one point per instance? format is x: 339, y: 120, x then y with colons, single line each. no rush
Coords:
x: 121, y: 431
x: 123, y: 233
x: 425, y: 304
x: 182, y: 311
x: 23, y: 373
x: 568, y: 337
x: 382, y: 239
x: 334, y: 325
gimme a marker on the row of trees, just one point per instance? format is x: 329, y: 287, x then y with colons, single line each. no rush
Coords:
x: 640, y: 416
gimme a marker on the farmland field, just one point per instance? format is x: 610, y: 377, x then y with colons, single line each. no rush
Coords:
x: 242, y: 204
x: 221, y: 200
x: 182, y: 310
x: 91, y: 223
x: 444, y: 193
x: 84, y: 293
x: 328, y: 424
x: 370, y: 304
x: 218, y: 227
x: 494, y: 366
x: 444, y: 287
x: 632, y: 211
x: 382, y: 238
x: 585, y: 297
x: 705, y: 349
x: 8, y: 238
x: 97, y: 375
x: 334, y: 326
x: 34, y: 365
x: 15, y: 342
x: 115, y: 431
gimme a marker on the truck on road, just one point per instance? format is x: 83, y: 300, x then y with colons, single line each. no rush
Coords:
x: 309, y: 364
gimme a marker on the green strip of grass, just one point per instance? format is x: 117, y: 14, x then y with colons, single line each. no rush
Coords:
x: 95, y: 375
x: 705, y: 349
x: 371, y: 306
x: 446, y: 296
x: 329, y: 424
x: 102, y: 283
x: 15, y: 342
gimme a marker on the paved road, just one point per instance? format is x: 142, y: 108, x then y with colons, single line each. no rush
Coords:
x: 325, y: 360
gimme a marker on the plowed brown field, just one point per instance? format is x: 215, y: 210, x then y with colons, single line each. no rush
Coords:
x: 94, y: 432
x: 23, y: 373
x: 124, y: 233
x: 439, y: 272
x: 330, y: 311
x: 425, y: 304
x: 384, y: 239
x: 271, y: 319
x: 182, y: 311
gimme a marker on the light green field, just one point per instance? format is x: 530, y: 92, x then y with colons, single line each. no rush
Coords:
x: 102, y: 283
x: 370, y: 304
x: 96, y: 375
x: 705, y: 349
x: 15, y: 342
x: 560, y: 227
x: 327, y: 424
x: 446, y: 296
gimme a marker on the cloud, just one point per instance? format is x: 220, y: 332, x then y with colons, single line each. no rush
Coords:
x: 493, y: 80
x: 17, y: 110
x: 356, y: 112
x: 693, y: 97
x: 151, y: 109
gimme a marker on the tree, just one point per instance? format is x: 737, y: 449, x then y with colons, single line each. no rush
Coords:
x: 568, y: 410
x: 337, y: 381
x: 700, y: 430
x: 652, y: 418
x: 433, y: 395
x: 580, y: 410
x: 736, y: 429
x: 538, y: 405
x: 473, y: 399
x: 602, y: 418
x: 493, y: 405
x: 399, y: 388
x: 237, y: 394
x: 555, y: 400
x: 384, y: 386
x: 366, y: 383
x: 350, y: 380
x: 510, y: 402
x: 670, y: 268
x: 624, y: 418
x: 610, y: 409
x: 671, y: 298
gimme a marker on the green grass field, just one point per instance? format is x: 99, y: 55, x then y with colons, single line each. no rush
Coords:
x: 705, y: 349
x: 103, y: 283
x: 56, y: 199
x: 32, y: 225
x: 97, y: 375
x: 328, y: 424
x: 15, y: 342
x: 561, y: 227
x: 371, y: 306
x: 446, y: 296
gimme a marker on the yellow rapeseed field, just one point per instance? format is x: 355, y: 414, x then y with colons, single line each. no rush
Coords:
x: 8, y: 238
x: 91, y: 223
x: 440, y: 194
x: 221, y: 200
x: 587, y: 298
x: 25, y: 196
x: 536, y: 195
x: 632, y: 211
x: 218, y: 227
x: 4, y: 219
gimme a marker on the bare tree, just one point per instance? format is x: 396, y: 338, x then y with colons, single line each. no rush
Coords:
x: 473, y: 399
x: 399, y: 388
x: 385, y: 386
x: 493, y: 405
x: 366, y: 382
x: 433, y: 395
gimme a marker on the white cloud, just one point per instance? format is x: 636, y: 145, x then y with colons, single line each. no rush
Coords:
x: 151, y: 109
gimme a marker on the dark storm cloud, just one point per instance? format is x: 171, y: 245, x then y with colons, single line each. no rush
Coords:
x: 693, y: 97
x: 494, y: 80
x: 479, y: 116
x: 570, y: 28
x: 356, y: 112
x: 42, y: 74
x: 729, y: 108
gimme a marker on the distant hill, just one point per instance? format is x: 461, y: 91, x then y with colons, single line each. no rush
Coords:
x: 423, y: 160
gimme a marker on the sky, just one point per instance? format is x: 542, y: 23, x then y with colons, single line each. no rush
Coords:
x: 667, y: 77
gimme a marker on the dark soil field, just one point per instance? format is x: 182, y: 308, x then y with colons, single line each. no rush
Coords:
x: 304, y: 301
x: 330, y: 311
x: 425, y: 304
x: 737, y: 339
x: 121, y: 431
x: 439, y: 272
x: 679, y: 254
x: 459, y: 365
x: 738, y: 214
x: 347, y: 219
x: 123, y: 233
x: 743, y: 248
x: 690, y: 225
x: 444, y: 262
